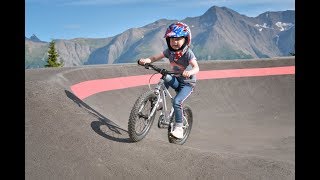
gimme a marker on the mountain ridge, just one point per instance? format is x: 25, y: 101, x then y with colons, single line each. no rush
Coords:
x: 220, y: 33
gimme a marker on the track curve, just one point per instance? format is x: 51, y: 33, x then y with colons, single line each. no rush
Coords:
x: 243, y: 129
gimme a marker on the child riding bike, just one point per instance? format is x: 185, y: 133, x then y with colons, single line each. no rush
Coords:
x: 183, y: 60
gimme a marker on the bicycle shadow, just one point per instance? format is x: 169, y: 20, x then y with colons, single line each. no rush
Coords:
x: 112, y: 132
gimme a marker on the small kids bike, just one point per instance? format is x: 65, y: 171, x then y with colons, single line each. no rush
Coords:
x: 146, y: 106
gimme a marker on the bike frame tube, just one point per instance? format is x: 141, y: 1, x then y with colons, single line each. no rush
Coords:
x: 163, y: 92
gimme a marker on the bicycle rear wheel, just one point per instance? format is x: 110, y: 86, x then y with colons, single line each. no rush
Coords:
x: 187, y: 126
x: 139, y: 125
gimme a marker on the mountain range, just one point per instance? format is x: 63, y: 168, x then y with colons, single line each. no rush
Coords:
x: 219, y: 34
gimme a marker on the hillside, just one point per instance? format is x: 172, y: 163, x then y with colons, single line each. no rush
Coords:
x: 220, y: 33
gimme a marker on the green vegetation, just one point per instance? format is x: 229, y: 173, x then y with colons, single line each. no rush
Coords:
x: 293, y: 53
x: 53, y: 56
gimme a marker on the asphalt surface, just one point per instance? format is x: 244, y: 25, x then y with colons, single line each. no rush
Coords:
x: 244, y: 128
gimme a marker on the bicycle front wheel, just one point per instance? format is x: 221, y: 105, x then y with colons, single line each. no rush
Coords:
x: 140, y: 120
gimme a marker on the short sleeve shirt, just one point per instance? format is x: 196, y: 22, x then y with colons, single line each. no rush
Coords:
x: 182, y: 63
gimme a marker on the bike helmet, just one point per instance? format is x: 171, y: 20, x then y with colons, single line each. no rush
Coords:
x: 178, y: 29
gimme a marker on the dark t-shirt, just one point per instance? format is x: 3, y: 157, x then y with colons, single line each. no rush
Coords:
x: 182, y: 63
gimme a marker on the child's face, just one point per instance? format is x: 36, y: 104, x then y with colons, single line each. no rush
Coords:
x: 176, y: 42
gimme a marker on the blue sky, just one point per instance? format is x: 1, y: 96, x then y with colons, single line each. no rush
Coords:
x: 67, y: 19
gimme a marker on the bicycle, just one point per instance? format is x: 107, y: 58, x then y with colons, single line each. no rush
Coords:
x: 147, y: 105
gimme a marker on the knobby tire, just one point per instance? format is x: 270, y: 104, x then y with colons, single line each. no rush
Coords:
x: 147, y: 99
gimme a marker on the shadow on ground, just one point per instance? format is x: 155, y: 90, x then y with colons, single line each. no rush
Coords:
x: 114, y: 132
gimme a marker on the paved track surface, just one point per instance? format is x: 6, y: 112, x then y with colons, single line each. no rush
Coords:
x: 244, y: 128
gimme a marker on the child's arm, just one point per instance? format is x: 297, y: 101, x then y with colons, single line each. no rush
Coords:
x: 151, y: 59
x: 194, y: 70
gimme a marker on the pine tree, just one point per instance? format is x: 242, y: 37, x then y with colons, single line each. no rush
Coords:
x: 53, y: 56
x: 293, y: 53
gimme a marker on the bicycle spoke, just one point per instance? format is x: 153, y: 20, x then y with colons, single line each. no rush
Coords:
x: 143, y: 116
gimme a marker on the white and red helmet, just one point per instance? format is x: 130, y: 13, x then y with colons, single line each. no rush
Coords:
x: 178, y: 29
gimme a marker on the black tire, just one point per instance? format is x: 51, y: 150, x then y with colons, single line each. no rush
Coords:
x: 145, y: 102
x: 188, y: 114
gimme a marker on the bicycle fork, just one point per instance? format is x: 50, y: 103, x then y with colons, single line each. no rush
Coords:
x: 155, y: 105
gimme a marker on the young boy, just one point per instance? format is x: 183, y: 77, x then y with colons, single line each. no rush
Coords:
x: 182, y: 59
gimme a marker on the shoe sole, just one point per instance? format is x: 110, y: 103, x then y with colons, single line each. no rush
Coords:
x: 176, y: 136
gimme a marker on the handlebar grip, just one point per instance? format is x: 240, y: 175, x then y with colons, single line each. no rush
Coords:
x: 146, y: 64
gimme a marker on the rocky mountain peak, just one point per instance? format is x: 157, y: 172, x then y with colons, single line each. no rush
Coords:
x: 220, y: 33
x: 35, y: 38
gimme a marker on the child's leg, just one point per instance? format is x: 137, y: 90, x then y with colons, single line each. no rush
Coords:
x: 183, y: 94
x: 171, y: 81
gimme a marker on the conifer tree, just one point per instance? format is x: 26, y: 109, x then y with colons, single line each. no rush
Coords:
x: 293, y: 53
x: 53, y: 56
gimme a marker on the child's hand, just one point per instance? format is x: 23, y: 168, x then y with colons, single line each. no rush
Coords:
x: 144, y: 61
x: 186, y: 74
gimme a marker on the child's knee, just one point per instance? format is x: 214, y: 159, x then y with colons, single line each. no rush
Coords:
x: 167, y: 78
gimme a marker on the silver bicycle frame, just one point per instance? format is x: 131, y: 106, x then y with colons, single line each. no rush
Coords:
x: 161, y: 92
x: 164, y: 92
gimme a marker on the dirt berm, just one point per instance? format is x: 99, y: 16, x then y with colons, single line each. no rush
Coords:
x: 244, y: 127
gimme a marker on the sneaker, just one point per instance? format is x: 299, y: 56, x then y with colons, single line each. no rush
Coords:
x: 178, y: 132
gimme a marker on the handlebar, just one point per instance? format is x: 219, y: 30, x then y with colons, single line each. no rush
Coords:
x: 159, y: 70
x: 165, y: 72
